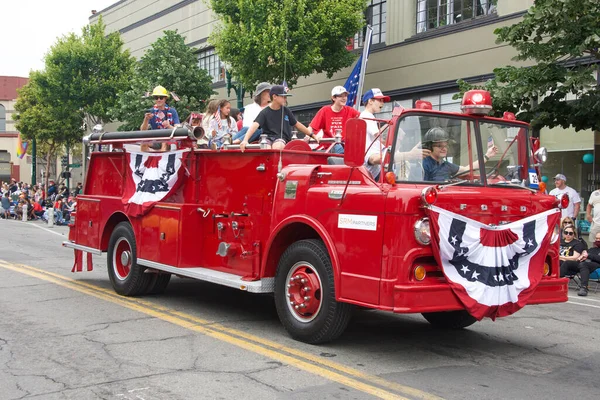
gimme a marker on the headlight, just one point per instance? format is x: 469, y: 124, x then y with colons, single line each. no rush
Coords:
x: 422, y: 231
x: 555, y: 234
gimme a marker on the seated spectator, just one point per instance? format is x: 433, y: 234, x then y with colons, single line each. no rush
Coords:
x: 585, y: 264
x: 273, y: 118
x: 331, y: 119
x: 261, y: 100
x: 221, y: 125
x: 571, y: 248
x: 238, y: 118
x: 38, y: 210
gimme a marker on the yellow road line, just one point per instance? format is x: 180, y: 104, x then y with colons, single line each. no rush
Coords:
x: 233, y: 336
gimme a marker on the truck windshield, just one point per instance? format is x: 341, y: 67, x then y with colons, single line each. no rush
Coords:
x: 452, y: 145
x: 452, y: 150
x: 504, y: 167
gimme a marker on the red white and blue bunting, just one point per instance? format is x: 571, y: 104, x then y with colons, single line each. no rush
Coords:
x: 493, y: 270
x: 151, y: 177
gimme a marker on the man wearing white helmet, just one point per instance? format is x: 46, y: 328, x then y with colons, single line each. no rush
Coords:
x: 331, y: 119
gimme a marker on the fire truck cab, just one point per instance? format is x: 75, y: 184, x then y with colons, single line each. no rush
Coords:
x: 315, y: 229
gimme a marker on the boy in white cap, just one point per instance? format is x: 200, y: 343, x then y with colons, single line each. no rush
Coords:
x: 560, y: 181
x: 332, y: 118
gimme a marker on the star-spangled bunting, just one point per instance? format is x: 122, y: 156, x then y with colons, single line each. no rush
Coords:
x: 493, y: 270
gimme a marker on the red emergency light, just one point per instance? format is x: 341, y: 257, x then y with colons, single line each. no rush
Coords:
x: 423, y: 105
x: 477, y: 102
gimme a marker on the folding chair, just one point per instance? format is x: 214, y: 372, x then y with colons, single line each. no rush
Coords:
x: 595, y: 278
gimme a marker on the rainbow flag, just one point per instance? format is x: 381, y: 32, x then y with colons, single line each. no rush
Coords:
x: 21, y: 147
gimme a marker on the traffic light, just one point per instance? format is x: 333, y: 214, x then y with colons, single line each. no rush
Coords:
x: 64, y: 161
x: 65, y: 174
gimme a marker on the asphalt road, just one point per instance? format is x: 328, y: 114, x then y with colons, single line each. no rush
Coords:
x: 69, y: 336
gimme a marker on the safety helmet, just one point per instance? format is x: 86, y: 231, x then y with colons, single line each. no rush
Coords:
x: 435, y: 135
x: 160, y: 91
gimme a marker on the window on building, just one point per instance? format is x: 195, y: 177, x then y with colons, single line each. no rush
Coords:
x: 210, y: 61
x: 376, y: 17
x: 433, y: 14
x: 2, y: 118
x: 443, y: 102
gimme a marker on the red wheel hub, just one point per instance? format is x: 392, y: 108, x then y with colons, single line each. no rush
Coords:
x: 122, y: 259
x: 304, y: 292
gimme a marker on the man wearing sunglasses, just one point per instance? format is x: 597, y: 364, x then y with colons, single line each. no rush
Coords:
x: 161, y: 116
x: 584, y: 263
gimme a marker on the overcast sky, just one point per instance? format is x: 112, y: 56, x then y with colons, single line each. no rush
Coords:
x: 30, y: 27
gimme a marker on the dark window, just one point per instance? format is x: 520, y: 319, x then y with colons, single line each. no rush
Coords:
x: 432, y: 14
x: 2, y: 118
x: 210, y: 61
x: 376, y: 17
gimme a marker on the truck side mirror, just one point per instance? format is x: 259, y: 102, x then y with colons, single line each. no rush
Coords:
x: 356, y: 138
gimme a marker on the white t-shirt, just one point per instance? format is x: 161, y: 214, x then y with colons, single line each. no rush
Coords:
x: 251, y: 111
x: 573, y: 199
x: 595, y: 203
x: 376, y: 148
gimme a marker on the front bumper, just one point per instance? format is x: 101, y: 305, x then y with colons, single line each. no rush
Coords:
x: 435, y: 297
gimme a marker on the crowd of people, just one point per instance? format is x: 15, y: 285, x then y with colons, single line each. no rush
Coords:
x: 18, y: 198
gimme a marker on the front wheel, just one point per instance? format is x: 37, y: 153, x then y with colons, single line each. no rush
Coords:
x: 305, y: 294
x: 450, y: 319
x: 126, y: 276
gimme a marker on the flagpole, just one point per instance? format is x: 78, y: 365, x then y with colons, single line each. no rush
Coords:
x: 363, y: 66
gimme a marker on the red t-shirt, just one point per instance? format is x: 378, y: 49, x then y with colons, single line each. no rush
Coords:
x: 329, y: 120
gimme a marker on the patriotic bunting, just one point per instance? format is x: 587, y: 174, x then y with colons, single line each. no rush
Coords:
x: 493, y: 270
x: 151, y: 177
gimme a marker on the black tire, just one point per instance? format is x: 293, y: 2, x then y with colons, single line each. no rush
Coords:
x: 127, y: 277
x: 450, y: 319
x: 323, y: 318
x: 159, y: 283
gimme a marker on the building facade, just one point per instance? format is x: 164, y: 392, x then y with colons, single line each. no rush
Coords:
x: 420, y: 48
x: 11, y: 166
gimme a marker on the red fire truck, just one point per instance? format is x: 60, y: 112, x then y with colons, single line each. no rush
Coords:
x: 321, y: 233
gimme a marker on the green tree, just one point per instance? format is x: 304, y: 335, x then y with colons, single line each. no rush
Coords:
x: 252, y: 37
x: 88, y: 71
x: 52, y: 123
x: 562, y: 39
x: 169, y: 63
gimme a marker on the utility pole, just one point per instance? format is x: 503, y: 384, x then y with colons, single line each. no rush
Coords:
x: 67, y: 172
x: 33, y: 163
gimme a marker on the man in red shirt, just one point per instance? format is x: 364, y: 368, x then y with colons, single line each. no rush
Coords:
x: 332, y: 119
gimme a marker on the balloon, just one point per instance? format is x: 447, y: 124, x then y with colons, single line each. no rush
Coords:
x: 588, y: 158
x: 542, y: 187
x: 544, y: 178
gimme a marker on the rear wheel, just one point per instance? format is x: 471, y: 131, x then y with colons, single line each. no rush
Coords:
x: 450, y: 319
x: 305, y: 294
x: 126, y: 276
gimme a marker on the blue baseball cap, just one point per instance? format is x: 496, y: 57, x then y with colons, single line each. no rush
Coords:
x: 375, y: 93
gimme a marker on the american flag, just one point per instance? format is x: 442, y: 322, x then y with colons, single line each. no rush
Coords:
x: 218, y: 118
x: 351, y: 84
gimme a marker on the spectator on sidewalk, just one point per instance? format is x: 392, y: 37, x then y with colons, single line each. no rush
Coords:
x: 592, y: 214
x: 585, y: 264
x: 560, y: 181
x: 5, y: 205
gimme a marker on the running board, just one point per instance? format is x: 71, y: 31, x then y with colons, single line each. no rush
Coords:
x: 75, y: 246
x: 265, y: 285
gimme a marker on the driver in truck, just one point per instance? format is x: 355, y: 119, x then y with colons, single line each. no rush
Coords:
x: 436, y: 167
